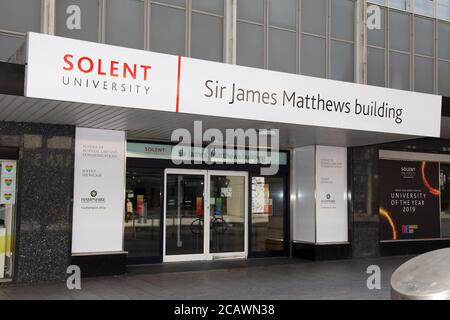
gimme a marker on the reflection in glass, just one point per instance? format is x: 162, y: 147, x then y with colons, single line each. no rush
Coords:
x: 443, y: 9
x: 227, y: 214
x: 424, y: 7
x: 142, y: 215
x: 399, y: 4
x: 20, y: 15
x: 125, y: 23
x: 445, y: 199
x: 268, y: 211
x: 167, y: 30
x: 184, y: 214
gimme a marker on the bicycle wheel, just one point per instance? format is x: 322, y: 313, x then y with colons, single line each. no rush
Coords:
x: 219, y: 225
x: 197, y: 226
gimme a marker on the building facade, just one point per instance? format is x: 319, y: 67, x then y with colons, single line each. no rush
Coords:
x: 88, y: 171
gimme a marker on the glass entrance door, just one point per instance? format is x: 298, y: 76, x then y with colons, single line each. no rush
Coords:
x: 205, y: 215
x: 184, y: 236
x: 227, y: 214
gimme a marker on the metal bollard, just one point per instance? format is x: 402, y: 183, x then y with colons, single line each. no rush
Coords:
x: 425, y: 277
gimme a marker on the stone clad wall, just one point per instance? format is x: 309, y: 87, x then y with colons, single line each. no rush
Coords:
x: 44, y: 199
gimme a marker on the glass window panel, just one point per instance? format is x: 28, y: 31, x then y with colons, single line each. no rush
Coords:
x: 250, y: 45
x: 444, y: 40
x: 282, y: 13
x: 342, y: 61
x: 424, y: 7
x: 399, y: 71
x: 89, y: 20
x: 443, y: 12
x: 423, y: 75
x: 423, y: 36
x: 8, y: 46
x: 180, y: 3
x: 20, y: 15
x: 184, y: 214
x: 252, y: 10
x: 268, y: 215
x: 142, y: 232
x: 377, y: 37
x: 167, y: 30
x: 444, y: 78
x: 125, y: 23
x: 399, y: 31
x: 313, y: 59
x: 376, y: 67
x: 282, y: 53
x: 314, y: 13
x: 207, y: 37
x: 343, y: 19
x: 227, y: 214
x: 399, y: 4
x: 213, y: 6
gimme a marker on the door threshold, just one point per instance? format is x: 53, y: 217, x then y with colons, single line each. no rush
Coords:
x: 205, y: 265
x: 215, y: 258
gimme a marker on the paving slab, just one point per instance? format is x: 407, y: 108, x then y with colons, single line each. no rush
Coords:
x: 259, y: 279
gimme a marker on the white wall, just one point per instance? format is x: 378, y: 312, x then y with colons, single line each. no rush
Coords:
x: 303, y: 191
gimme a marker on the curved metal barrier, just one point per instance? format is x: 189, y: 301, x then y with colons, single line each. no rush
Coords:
x: 425, y: 277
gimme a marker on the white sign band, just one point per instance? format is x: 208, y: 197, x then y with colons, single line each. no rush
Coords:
x: 96, y: 73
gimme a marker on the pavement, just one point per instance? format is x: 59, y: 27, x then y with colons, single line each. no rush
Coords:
x: 253, y: 279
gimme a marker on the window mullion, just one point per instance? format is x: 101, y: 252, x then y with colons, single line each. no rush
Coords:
x: 188, y: 33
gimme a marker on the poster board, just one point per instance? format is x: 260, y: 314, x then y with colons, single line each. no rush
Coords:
x: 409, y: 200
x: 99, y: 191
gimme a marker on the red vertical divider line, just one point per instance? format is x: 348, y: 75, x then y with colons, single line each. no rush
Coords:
x: 178, y: 85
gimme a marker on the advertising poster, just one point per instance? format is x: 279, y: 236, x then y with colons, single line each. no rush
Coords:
x: 257, y: 195
x: 140, y: 205
x: 409, y: 200
x: 268, y: 203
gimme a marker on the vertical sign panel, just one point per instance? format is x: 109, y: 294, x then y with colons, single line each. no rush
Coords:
x: 331, y: 194
x: 99, y: 191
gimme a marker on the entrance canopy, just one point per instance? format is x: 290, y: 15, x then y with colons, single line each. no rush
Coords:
x: 149, y: 95
x: 158, y: 125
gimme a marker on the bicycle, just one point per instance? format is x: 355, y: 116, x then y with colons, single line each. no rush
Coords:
x: 218, y: 224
